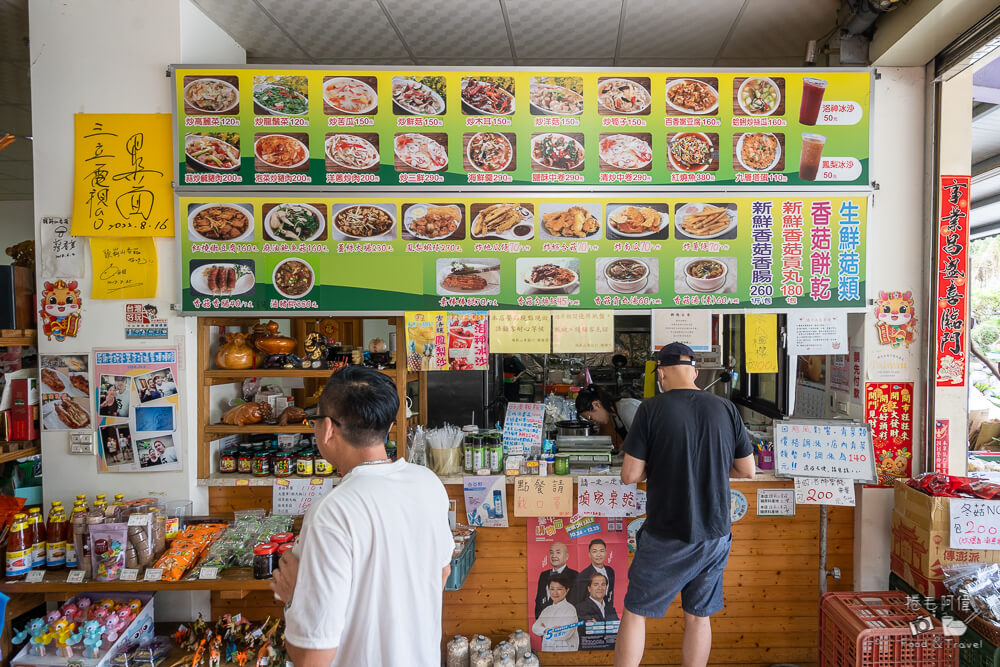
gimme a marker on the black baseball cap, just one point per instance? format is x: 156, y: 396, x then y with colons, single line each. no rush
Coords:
x: 670, y: 355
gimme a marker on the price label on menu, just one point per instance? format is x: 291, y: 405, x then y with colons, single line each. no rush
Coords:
x: 138, y: 520
x: 35, y: 577
x: 208, y: 573
x: 154, y: 574
x: 824, y: 491
x: 129, y: 574
x: 75, y: 577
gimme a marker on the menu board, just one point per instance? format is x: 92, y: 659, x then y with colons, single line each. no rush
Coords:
x: 314, y: 127
x: 288, y: 253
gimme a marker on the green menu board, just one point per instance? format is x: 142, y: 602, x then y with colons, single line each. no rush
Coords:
x: 264, y: 128
x: 303, y: 252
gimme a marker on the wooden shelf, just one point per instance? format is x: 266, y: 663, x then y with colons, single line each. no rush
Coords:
x: 23, y: 341
x: 233, y: 580
x: 13, y: 454
x: 226, y: 429
x: 235, y: 479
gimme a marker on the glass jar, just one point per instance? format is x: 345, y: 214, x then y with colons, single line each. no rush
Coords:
x: 304, y: 463
x: 282, y: 538
x: 562, y: 464
x: 262, y: 463
x: 321, y: 467
x: 244, y: 461
x: 283, y: 464
x: 227, y: 461
x: 263, y: 560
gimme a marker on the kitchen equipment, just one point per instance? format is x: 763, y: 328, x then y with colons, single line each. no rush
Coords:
x: 586, y: 451
x: 578, y: 427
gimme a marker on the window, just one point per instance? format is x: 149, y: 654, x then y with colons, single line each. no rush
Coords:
x: 766, y: 393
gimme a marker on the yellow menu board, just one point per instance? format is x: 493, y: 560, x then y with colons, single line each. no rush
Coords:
x: 762, y: 342
x: 122, y: 173
x: 580, y: 331
x: 520, y: 331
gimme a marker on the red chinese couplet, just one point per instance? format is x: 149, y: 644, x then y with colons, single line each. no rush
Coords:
x: 942, y: 445
x: 889, y: 413
x: 952, y: 281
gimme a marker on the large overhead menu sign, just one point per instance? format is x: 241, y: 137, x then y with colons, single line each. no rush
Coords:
x: 314, y: 127
x: 303, y: 252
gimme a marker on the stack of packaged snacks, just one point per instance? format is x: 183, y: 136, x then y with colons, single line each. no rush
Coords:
x: 249, y: 528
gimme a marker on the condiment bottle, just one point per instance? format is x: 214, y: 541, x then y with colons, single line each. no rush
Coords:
x: 82, y: 499
x: 263, y: 560
x: 19, y: 547
x: 55, y: 538
x: 72, y: 555
x: 37, y: 525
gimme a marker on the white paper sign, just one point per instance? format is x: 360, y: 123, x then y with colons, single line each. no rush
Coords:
x: 61, y: 254
x: 606, y: 495
x: 208, y: 573
x: 776, y: 502
x: 75, y: 577
x: 128, y: 574
x: 296, y: 496
x: 975, y: 524
x: 824, y: 449
x: 691, y: 327
x: 817, y: 332
x: 824, y: 491
x: 154, y: 574
x: 522, y: 427
x: 35, y: 577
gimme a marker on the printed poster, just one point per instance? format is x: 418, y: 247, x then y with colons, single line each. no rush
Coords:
x: 142, y: 321
x: 64, y: 391
x: 426, y: 341
x: 137, y: 403
x: 468, y: 341
x: 486, y: 501
x: 894, y: 358
x: 577, y: 578
x: 889, y: 412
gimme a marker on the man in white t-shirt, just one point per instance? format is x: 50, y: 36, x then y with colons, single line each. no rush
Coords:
x: 363, y: 584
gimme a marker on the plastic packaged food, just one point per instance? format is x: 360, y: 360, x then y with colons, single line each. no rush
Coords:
x: 107, y: 549
x: 521, y: 641
x: 480, y: 643
x: 458, y: 652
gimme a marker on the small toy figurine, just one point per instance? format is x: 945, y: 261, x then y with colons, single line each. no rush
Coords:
x: 34, y: 628
x: 52, y: 617
x: 316, y: 346
x: 83, y: 604
x: 125, y: 615
x: 70, y: 612
x: 61, y: 632
x: 112, y: 627
x: 135, y: 605
x: 100, y: 613
x: 215, y: 651
x: 92, y: 633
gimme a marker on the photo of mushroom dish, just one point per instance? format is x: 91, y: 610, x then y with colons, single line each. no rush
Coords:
x: 363, y: 221
x: 574, y: 222
x: 487, y: 97
x: 554, y: 99
x: 293, y: 222
x: 415, y: 97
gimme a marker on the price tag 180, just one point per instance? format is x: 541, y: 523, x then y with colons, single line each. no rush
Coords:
x: 154, y: 574
x: 75, y: 577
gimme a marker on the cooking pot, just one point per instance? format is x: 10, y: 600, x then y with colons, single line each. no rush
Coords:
x: 576, y: 427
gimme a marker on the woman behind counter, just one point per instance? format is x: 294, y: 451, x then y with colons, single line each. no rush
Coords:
x: 614, y: 418
x: 557, y: 623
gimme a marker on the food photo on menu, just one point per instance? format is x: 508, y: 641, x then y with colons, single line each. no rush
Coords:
x: 467, y: 276
x: 637, y: 221
x: 281, y: 95
x: 545, y: 275
x: 759, y: 151
x: 363, y: 222
x: 623, y: 95
x: 433, y: 222
x: 556, y: 95
x: 693, y: 275
x: 701, y: 221
x: 212, y: 152
x: 220, y: 222
x: 693, y: 152
x: 64, y: 391
x: 759, y: 96
x: 416, y: 151
x: 504, y: 221
x: 489, y: 151
x: 418, y: 95
x: 632, y: 152
x: 696, y: 96
x: 355, y: 152
x: 488, y: 95
x: 566, y: 222
x: 280, y: 153
x: 628, y: 275
x: 350, y: 95
x: 293, y: 277
x: 298, y: 221
x: 228, y: 277
x: 211, y: 95
x: 554, y: 151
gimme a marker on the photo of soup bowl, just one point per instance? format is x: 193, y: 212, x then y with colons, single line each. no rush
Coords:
x: 705, y: 275
x: 627, y: 276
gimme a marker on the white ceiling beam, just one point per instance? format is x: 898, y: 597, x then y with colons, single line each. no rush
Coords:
x: 915, y: 33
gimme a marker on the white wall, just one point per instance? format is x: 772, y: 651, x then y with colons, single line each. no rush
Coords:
x: 100, y: 56
x: 17, y: 223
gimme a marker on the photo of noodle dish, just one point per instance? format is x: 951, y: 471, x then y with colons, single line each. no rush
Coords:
x: 363, y: 221
x: 351, y: 151
x: 545, y: 275
x: 421, y: 152
x: 758, y: 151
x: 468, y: 276
x: 625, y: 151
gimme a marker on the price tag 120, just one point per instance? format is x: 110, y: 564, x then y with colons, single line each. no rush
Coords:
x: 154, y: 574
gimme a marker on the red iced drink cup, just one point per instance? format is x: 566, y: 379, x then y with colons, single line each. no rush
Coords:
x: 812, y: 100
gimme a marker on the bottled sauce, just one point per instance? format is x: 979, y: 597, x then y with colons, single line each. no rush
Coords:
x: 321, y: 467
x: 37, y: 526
x: 263, y: 560
x: 101, y: 502
x: 304, y: 463
x: 19, y: 547
x: 82, y: 500
x: 78, y: 513
x: 55, y: 538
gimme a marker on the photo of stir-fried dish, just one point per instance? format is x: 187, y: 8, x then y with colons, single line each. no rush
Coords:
x: 487, y: 97
x: 280, y: 100
x: 758, y: 151
x: 350, y: 95
x: 467, y: 276
x: 490, y: 151
x: 211, y: 95
x: 692, y: 96
x: 293, y: 278
x: 211, y: 153
x: 293, y: 222
x: 282, y: 151
x: 759, y: 96
x: 351, y: 151
x: 363, y: 221
x: 498, y: 219
x: 550, y: 275
x: 574, y: 222
x: 416, y: 98
x: 624, y: 151
x: 556, y: 151
x: 622, y: 96
x: 557, y: 100
x: 220, y: 222
x: 690, y: 151
x: 421, y: 152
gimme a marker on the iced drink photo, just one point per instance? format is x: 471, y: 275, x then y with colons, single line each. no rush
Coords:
x: 812, y: 153
x: 812, y: 100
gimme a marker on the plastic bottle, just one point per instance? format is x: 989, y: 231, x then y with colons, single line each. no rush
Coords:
x: 527, y: 660
x: 55, y: 538
x: 82, y: 499
x: 37, y: 525
x: 72, y: 555
x: 19, y: 547
x: 521, y: 641
x: 101, y: 502
x: 504, y: 651
x: 480, y: 643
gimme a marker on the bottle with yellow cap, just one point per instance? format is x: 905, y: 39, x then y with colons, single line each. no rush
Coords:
x: 55, y: 542
x: 19, y: 547
x: 37, y: 525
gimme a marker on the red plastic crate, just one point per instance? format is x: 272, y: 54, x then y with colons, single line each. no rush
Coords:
x: 873, y: 630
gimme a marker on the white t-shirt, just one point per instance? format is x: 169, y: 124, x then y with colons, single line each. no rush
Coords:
x: 556, y: 625
x: 370, y: 558
x: 627, y: 408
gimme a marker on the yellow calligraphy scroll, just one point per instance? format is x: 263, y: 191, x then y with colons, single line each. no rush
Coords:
x: 543, y: 496
x: 520, y: 331
x: 581, y: 331
x: 123, y: 169
x: 762, y: 343
x: 123, y: 268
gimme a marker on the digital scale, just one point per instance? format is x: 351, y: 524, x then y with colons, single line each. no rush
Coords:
x: 585, y: 451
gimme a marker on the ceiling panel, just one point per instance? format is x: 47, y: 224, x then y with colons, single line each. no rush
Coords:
x: 252, y: 28
x: 564, y: 28
x: 677, y: 29
x: 467, y: 63
x: 342, y: 29
x: 778, y: 28
x: 444, y: 28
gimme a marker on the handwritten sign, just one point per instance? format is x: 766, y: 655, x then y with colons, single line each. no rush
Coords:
x: 824, y: 491
x: 123, y: 268
x: 123, y: 167
x: 486, y: 501
x: 296, y: 496
x: 823, y: 449
x: 817, y: 332
x: 154, y: 574
x: 524, y: 331
x: 691, y: 327
x: 581, y: 331
x: 543, y: 496
x: 35, y: 577
x: 975, y: 524
x: 129, y: 574
x: 60, y: 252
x: 776, y: 502
x: 761, y: 342
x: 522, y: 427
x: 606, y: 495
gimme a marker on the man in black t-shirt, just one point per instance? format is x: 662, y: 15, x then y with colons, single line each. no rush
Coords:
x: 686, y: 444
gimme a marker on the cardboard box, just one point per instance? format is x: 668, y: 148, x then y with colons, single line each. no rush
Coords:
x: 920, y: 541
x: 24, y: 409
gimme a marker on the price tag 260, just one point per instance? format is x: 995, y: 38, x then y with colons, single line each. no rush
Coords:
x: 154, y: 574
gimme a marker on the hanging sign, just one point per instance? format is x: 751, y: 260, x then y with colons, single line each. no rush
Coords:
x: 889, y: 413
x: 520, y: 332
x: 608, y: 496
x: 761, y: 342
x: 953, y: 281
x: 583, y: 331
x: 522, y: 427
